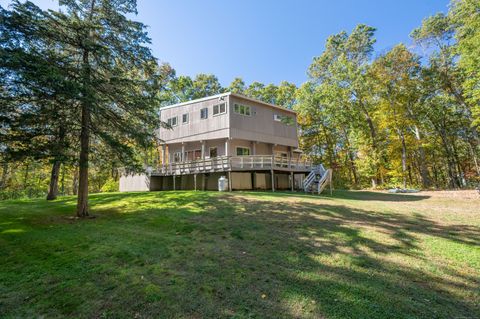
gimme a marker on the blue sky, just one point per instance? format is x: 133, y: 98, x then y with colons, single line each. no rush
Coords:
x: 266, y: 41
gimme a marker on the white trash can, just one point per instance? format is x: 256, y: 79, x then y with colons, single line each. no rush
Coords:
x: 222, y: 184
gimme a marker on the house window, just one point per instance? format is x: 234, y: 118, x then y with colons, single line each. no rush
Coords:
x: 213, y: 152
x: 173, y: 121
x: 177, y: 157
x: 284, y: 119
x: 193, y: 155
x: 198, y: 154
x: 242, y: 109
x: 204, y: 113
x: 185, y: 118
x: 241, y: 151
x: 219, y: 109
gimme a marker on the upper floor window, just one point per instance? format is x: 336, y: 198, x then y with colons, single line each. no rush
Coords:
x: 173, y: 121
x: 242, y: 109
x: 285, y: 119
x: 219, y: 109
x: 185, y: 118
x: 241, y: 151
x: 204, y: 113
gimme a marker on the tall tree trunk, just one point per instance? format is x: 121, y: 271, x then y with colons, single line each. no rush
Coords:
x: 75, y: 182
x: 25, y: 176
x: 63, y: 181
x: 422, y: 162
x: 460, y: 172
x: 450, y: 164
x: 475, y: 161
x: 3, y: 180
x: 373, y: 136
x: 404, y: 157
x: 53, y: 188
x: 353, y: 168
x: 82, y: 197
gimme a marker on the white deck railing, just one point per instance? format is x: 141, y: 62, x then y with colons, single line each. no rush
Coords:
x: 228, y: 163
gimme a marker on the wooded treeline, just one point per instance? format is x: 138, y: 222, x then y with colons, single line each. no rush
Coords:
x: 80, y: 92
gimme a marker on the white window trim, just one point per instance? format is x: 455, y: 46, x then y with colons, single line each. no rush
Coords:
x: 220, y: 113
x: 188, y: 118
x: 277, y: 117
x: 176, y: 122
x: 243, y: 147
x: 203, y: 118
x: 249, y: 106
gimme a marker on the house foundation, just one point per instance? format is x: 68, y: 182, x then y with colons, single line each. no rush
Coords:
x: 251, y: 180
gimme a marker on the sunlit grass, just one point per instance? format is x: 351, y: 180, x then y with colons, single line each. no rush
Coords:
x: 241, y: 255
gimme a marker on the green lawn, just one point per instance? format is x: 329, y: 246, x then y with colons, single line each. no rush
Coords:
x: 242, y: 255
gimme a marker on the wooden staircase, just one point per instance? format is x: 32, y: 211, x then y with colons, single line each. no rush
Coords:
x: 317, y: 180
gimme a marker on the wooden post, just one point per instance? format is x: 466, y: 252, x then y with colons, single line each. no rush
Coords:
x: 195, y: 181
x: 164, y: 157
x: 290, y: 153
x: 291, y: 179
x: 173, y: 182
x: 226, y: 147
x: 203, y: 150
x: 229, y: 181
x: 273, y: 179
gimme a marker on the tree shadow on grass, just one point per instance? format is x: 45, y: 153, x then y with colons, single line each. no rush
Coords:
x: 290, y: 245
x: 211, y: 255
x: 241, y: 249
x: 351, y: 195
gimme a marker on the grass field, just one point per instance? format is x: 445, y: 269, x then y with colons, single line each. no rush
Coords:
x: 243, y: 255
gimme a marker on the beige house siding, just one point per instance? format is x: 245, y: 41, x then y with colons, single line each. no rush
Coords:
x: 134, y: 183
x: 215, y: 126
x: 260, y: 126
x: 197, y: 145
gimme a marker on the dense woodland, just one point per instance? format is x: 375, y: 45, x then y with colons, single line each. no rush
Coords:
x: 81, y: 91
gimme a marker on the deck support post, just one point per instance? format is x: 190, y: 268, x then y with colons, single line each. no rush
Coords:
x: 229, y: 181
x: 292, y: 180
x: 173, y: 182
x: 203, y: 149
x: 226, y: 146
x: 164, y: 157
x: 273, y: 179
x: 195, y: 181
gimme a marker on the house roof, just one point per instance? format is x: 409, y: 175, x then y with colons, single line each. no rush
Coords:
x: 230, y: 94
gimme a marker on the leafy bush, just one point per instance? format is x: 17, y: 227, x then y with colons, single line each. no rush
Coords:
x: 110, y: 185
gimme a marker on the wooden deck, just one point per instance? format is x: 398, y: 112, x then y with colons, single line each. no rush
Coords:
x: 234, y: 163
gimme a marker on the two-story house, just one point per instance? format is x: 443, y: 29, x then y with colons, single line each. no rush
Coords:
x: 252, y: 143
